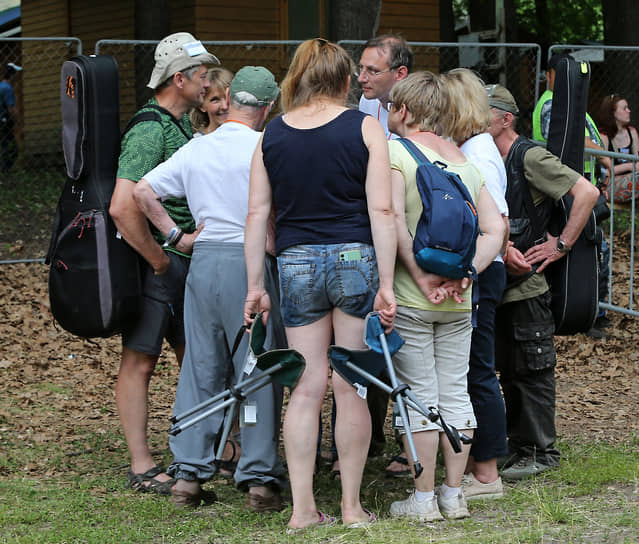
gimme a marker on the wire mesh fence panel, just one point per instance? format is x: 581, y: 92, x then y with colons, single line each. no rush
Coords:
x: 612, y: 71
x: 620, y: 235
x: 136, y: 59
x: 37, y: 119
x: 32, y: 165
x: 514, y: 65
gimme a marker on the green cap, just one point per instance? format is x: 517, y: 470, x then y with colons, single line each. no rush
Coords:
x: 254, y: 86
x: 499, y: 97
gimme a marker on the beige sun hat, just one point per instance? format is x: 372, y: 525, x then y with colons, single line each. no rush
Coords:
x: 176, y: 53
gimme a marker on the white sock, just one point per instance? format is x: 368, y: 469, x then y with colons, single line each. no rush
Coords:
x: 421, y: 496
x: 448, y: 492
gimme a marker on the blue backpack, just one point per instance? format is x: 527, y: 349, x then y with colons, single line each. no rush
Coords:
x: 444, y: 241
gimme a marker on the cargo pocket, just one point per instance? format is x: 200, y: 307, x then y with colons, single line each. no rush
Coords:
x: 537, y: 346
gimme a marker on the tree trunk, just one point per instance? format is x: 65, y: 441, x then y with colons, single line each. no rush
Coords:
x: 446, y: 22
x: 621, y: 19
x: 354, y: 19
x: 152, y: 22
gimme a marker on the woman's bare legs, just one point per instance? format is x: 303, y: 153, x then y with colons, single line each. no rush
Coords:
x: 301, y: 420
x: 353, y: 422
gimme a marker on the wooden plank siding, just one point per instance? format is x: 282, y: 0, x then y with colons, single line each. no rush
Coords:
x: 42, y: 61
x: 244, y: 20
x: 238, y: 20
x: 208, y: 20
x: 416, y: 20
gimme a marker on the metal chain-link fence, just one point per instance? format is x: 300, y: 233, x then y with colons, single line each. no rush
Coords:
x: 31, y: 142
x: 37, y: 130
x: 613, y: 70
x: 135, y: 63
x: 514, y: 65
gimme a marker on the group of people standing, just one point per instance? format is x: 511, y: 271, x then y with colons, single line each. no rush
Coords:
x: 309, y: 224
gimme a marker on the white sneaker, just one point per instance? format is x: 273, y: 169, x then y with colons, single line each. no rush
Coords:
x: 453, y: 507
x: 411, y: 508
x: 475, y: 490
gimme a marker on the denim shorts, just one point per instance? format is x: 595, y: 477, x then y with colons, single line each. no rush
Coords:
x: 314, y: 279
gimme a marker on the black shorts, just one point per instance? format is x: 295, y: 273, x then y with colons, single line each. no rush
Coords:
x: 162, y: 309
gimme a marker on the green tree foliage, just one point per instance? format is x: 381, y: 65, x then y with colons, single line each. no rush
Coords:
x: 566, y: 22
x: 548, y: 21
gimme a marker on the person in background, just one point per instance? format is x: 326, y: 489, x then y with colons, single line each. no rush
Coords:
x: 385, y: 60
x: 436, y: 329
x: 592, y: 140
x: 8, y: 115
x: 467, y: 127
x: 215, y: 108
x: 324, y: 169
x: 619, y: 136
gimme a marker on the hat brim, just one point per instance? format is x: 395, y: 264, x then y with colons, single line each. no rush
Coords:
x: 161, y: 73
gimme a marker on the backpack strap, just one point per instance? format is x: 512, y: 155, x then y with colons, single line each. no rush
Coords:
x: 173, y: 119
x: 419, y: 157
x: 422, y: 159
x: 143, y: 116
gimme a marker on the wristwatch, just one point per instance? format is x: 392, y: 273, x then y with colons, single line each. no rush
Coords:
x: 562, y: 247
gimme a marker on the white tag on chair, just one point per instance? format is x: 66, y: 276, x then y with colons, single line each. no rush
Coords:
x: 361, y: 390
x: 251, y: 361
x: 248, y: 416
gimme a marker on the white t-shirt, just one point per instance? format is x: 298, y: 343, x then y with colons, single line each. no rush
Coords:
x: 212, y: 172
x: 483, y: 153
x: 374, y: 107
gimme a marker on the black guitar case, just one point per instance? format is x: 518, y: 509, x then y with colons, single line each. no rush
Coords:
x: 574, y: 279
x: 94, y: 275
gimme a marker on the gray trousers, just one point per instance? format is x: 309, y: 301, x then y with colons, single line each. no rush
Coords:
x: 213, y: 314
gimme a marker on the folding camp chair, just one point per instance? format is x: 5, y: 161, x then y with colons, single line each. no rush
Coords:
x: 283, y: 365
x: 362, y: 367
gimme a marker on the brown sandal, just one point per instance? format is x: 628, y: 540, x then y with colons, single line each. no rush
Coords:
x: 184, y: 499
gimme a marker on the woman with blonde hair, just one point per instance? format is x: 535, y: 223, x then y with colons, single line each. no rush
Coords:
x: 215, y: 108
x: 325, y: 170
x: 469, y: 117
x: 436, y: 327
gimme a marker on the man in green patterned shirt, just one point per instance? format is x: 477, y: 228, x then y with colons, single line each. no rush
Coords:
x: 180, y: 82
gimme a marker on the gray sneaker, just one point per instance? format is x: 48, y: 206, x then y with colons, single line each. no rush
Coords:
x: 453, y: 507
x: 524, y: 468
x: 411, y: 508
x: 475, y: 490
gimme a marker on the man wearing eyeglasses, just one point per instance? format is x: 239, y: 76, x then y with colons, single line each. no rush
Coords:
x: 385, y: 60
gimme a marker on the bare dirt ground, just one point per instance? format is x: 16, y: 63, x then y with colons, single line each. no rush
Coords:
x: 57, y: 388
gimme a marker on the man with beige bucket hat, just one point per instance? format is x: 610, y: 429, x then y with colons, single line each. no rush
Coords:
x: 155, y: 132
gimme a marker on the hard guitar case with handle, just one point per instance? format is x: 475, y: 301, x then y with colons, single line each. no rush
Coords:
x: 94, y: 278
x: 574, y: 278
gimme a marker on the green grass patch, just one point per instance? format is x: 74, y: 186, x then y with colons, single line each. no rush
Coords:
x: 31, y: 191
x: 80, y: 495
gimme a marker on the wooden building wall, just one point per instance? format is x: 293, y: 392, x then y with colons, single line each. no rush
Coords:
x: 416, y: 20
x: 238, y: 19
x: 208, y: 20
